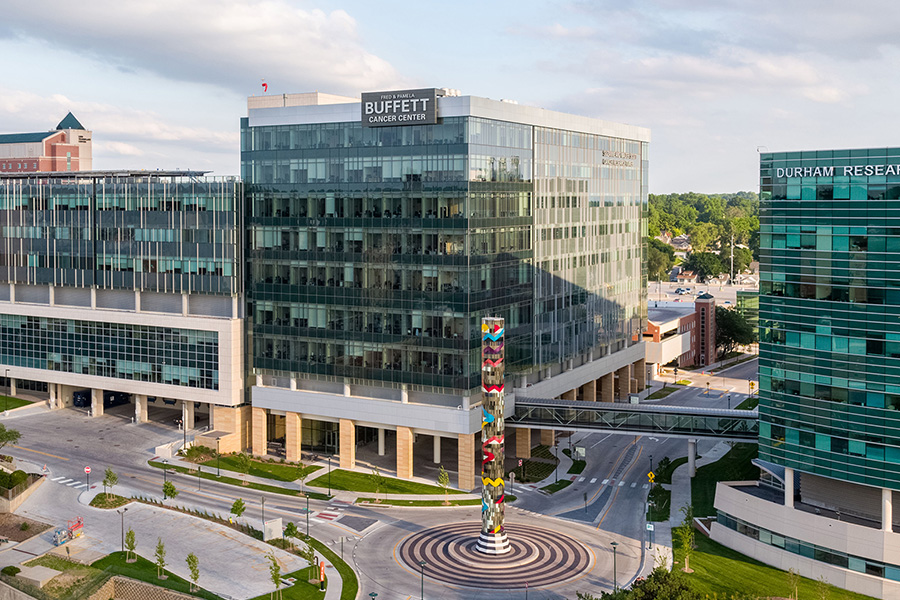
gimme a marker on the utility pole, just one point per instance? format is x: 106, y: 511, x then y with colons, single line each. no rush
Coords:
x: 732, y: 260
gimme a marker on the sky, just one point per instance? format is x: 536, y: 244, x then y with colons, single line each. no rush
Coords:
x: 164, y: 83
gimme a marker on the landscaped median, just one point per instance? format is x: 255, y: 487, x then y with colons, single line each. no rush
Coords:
x: 235, y: 481
x: 352, y: 481
x: 260, y: 468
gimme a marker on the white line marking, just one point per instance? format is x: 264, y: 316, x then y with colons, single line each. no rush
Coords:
x: 594, y: 480
x: 81, y: 486
x: 73, y: 483
x: 621, y: 483
x: 601, y: 441
x: 57, y: 478
x: 64, y: 481
x: 604, y: 482
x: 580, y: 479
x: 645, y: 486
x: 633, y: 485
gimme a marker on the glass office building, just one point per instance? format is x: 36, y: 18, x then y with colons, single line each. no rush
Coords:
x: 829, y: 311
x: 829, y: 373
x: 374, y: 252
x: 126, y: 281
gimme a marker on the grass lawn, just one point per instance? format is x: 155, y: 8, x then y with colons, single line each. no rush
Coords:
x: 9, y: 403
x: 664, y: 392
x: 683, y: 382
x: 101, y: 501
x: 577, y: 464
x: 211, y: 475
x: 721, y: 571
x: 259, y: 468
x: 661, y: 510
x: 542, y: 451
x: 465, y: 502
x: 559, y: 485
x: 349, y: 582
x: 75, y: 581
x: 364, y: 482
x: 301, y: 590
x: 734, y: 466
x: 749, y: 403
x: 144, y: 570
x: 664, y: 475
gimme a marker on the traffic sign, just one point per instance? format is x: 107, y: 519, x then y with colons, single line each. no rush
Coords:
x: 520, y: 462
x: 651, y: 476
x: 649, y: 526
x: 87, y: 470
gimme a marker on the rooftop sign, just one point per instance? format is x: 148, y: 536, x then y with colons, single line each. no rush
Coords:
x: 842, y: 170
x: 401, y: 107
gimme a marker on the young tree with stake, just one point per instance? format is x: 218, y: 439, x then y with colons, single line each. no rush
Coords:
x: 110, y: 479
x: 160, y: 556
x: 193, y: 564
x: 130, y: 545
x: 443, y: 480
x: 238, y: 508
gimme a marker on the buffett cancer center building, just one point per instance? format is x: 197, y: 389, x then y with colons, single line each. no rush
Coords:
x: 381, y: 231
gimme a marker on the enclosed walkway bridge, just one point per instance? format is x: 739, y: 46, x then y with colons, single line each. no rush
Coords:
x: 637, y: 419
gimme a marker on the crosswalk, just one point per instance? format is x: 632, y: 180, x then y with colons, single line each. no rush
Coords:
x: 72, y: 483
x: 334, y: 511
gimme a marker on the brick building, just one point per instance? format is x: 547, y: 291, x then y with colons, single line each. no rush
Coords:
x: 66, y: 148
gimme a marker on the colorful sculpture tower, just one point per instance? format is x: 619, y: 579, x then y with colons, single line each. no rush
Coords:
x: 493, y: 536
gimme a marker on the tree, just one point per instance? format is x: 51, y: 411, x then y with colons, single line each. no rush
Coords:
x: 302, y: 474
x: 732, y: 330
x: 169, y: 490
x: 685, y: 535
x: 8, y: 436
x: 291, y: 532
x: 309, y: 555
x: 379, y: 480
x: 660, y: 259
x: 443, y: 480
x: 130, y: 546
x: 705, y: 264
x: 193, y: 564
x: 823, y: 588
x: 160, y: 556
x: 274, y: 575
x: 703, y: 235
x: 109, y: 480
x: 238, y: 508
x: 793, y: 583
x: 243, y: 464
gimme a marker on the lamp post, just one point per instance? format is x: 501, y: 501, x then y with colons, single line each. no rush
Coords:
x: 122, y: 514
x: 199, y: 475
x: 9, y: 384
x: 218, y: 454
x: 422, y: 564
x: 165, y: 476
x: 184, y: 430
x: 329, y: 475
x: 373, y: 595
x: 615, y: 582
x: 307, y: 516
x: 262, y: 499
x: 556, y: 455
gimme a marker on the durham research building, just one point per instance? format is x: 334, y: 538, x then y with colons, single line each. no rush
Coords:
x: 380, y: 232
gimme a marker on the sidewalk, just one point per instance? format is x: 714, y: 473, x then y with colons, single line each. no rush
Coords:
x: 681, y: 496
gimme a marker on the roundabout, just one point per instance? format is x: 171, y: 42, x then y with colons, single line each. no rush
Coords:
x: 540, y: 557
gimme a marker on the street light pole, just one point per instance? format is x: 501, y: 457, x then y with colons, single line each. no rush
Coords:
x: 615, y: 581
x: 329, y: 475
x: 165, y: 476
x: 122, y: 514
x: 9, y: 384
x: 651, y: 463
x: 218, y: 455
x: 307, y: 516
x: 263, y: 500
x: 422, y: 564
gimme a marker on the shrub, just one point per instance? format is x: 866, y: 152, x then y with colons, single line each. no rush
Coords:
x: 11, y: 570
x: 17, y: 477
x: 24, y: 526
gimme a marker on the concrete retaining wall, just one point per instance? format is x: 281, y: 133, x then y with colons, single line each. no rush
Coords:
x: 124, y: 588
x: 7, y: 592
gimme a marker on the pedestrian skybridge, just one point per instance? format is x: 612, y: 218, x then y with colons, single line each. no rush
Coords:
x: 637, y: 419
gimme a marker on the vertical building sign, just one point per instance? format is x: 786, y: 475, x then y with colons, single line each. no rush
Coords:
x: 493, y: 536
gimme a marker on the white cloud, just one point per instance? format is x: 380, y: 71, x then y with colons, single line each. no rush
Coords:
x: 230, y: 44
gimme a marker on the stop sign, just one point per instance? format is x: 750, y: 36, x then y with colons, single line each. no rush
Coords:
x: 87, y: 470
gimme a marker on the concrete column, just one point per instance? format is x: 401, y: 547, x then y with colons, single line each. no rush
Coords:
x: 137, y: 301
x: 789, y: 487
x: 12, y: 388
x: 52, y: 389
x: 140, y: 408
x: 437, y: 450
x: 466, y: 462
x: 887, y: 510
x: 523, y: 442
x: 547, y: 437
x: 185, y: 305
x: 624, y: 383
x: 692, y: 458
x: 348, y: 444
x: 590, y: 391
x: 293, y: 436
x: 381, y: 441
x: 96, y: 403
x: 347, y: 390
x: 187, y: 414
x: 639, y: 368
x: 259, y: 381
x: 570, y: 395
x: 93, y: 298
x: 404, y: 453
x: 258, y: 433
x: 293, y: 384
x: 404, y: 394
x: 606, y: 388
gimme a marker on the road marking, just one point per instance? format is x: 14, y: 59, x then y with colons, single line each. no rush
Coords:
x: 57, y: 478
x: 328, y: 516
x: 621, y: 483
x: 594, y: 480
x: 601, y: 441
x: 45, y: 453
x: 634, y: 484
x: 73, y: 483
x: 645, y: 486
x: 604, y: 482
x: 64, y: 481
x: 580, y: 479
x: 80, y: 486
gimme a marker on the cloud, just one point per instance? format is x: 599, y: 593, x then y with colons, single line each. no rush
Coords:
x: 117, y: 148
x: 229, y: 44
